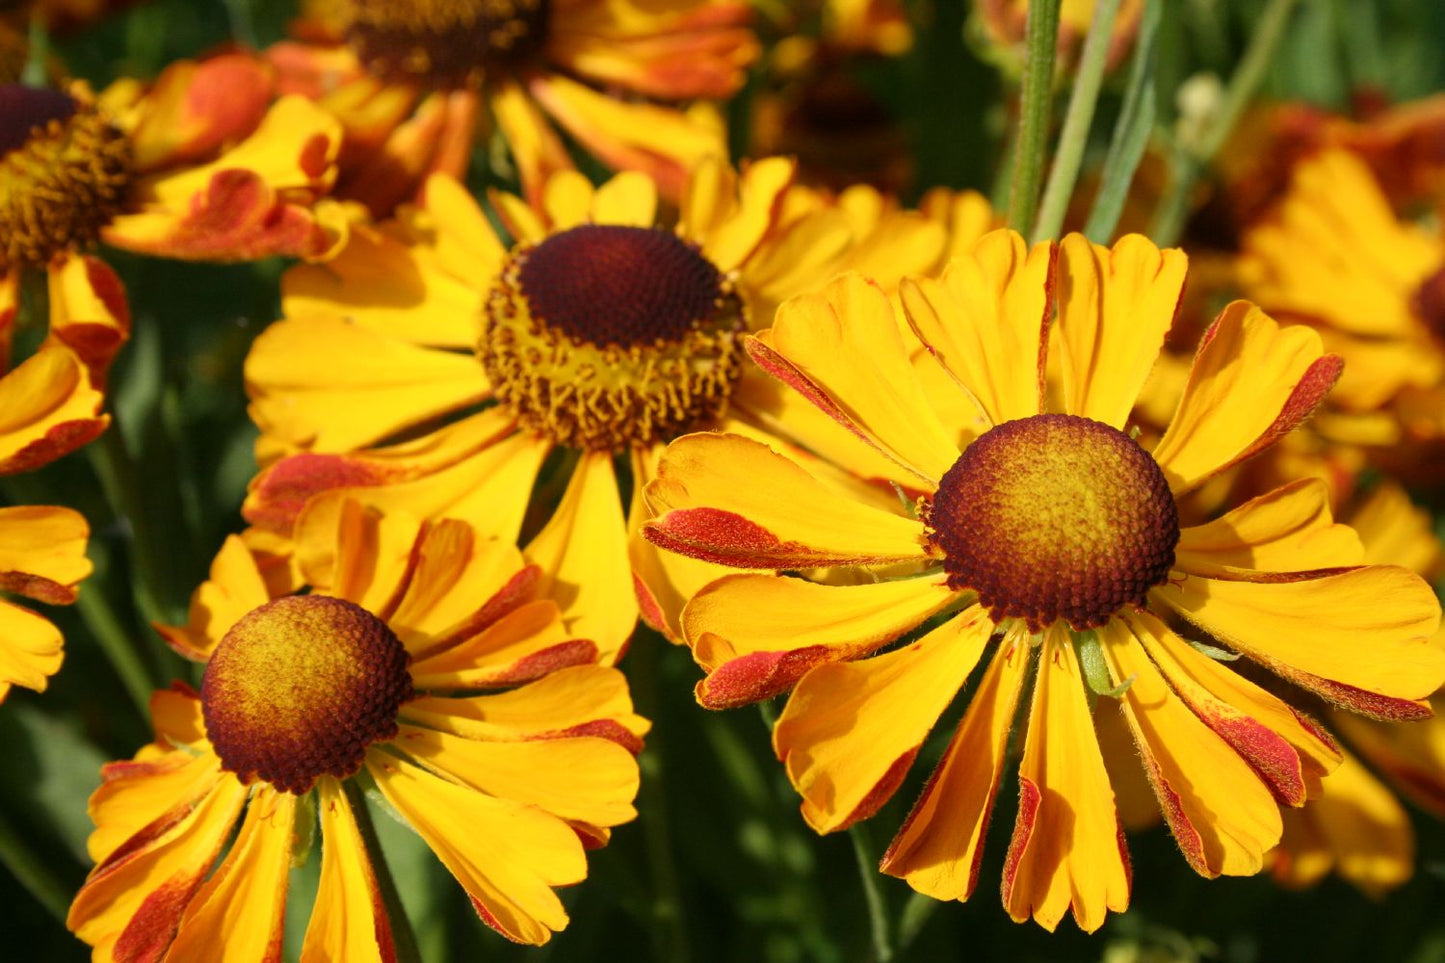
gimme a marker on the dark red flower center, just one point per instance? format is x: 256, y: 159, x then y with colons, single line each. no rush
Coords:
x: 1430, y: 303
x: 449, y: 43
x: 23, y: 109
x: 1055, y: 517
x: 300, y: 687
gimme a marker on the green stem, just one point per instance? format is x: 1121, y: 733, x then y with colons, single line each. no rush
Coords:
x: 242, y: 28
x: 916, y: 913
x: 1077, y: 121
x: 402, y: 936
x: 35, y: 72
x: 117, y: 644
x: 656, y: 823
x: 872, y: 895
x: 1190, y: 161
x: 112, y: 464
x: 33, y: 871
x: 1041, y: 37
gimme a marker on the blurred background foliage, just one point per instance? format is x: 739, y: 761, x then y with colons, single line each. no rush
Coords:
x: 720, y: 866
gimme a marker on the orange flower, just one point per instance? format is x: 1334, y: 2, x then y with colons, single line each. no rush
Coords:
x: 408, y: 81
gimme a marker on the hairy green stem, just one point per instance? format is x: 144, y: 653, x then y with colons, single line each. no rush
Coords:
x: 1077, y: 121
x: 1041, y: 38
x: 872, y: 895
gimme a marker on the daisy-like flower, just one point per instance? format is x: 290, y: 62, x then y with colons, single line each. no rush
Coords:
x: 1334, y: 256
x: 596, y: 337
x: 409, y: 79
x: 371, y: 678
x: 1048, y: 537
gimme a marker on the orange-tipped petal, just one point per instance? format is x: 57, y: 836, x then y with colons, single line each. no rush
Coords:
x: 48, y: 408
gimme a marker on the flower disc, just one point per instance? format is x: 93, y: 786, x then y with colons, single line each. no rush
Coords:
x: 446, y: 42
x: 607, y: 336
x: 64, y: 171
x: 299, y: 688
x: 1055, y: 517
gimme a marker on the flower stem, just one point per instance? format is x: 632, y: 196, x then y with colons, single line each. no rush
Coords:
x: 1041, y: 37
x: 1077, y: 120
x: 1190, y: 160
x: 32, y: 871
x: 403, y: 939
x: 112, y: 463
x: 119, y: 648
x: 872, y: 895
x: 916, y: 912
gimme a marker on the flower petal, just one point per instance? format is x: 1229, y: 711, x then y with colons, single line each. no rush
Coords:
x: 42, y: 552
x: 1222, y: 815
x: 1362, y: 629
x: 986, y: 320
x: 758, y: 634
x: 850, y: 730
x: 48, y: 408
x: 234, y: 588
x: 733, y: 501
x: 524, y: 644
x: 1252, y: 382
x: 1289, y: 529
x: 1067, y: 850
x: 31, y: 649
x: 842, y: 349
x: 940, y: 846
x: 1115, y: 307
x: 88, y: 311
x: 349, y: 919
x: 506, y: 855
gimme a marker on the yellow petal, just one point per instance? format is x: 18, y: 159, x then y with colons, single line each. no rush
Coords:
x: 234, y: 588
x: 842, y: 349
x: 467, y: 246
x: 525, y: 643
x: 567, y: 200
x: 452, y: 574
x: 30, y: 652
x: 1067, y: 850
x: 1410, y: 755
x: 628, y: 198
x: 48, y: 408
x: 583, y: 779
x: 1395, y: 531
x: 1362, y: 629
x: 42, y: 552
x: 88, y: 310
x: 133, y: 794
x: 379, y: 385
x: 940, y: 845
x: 1251, y: 383
x: 850, y: 730
x: 1222, y: 815
x: 506, y: 855
x: 1115, y: 306
x: 534, y: 145
x: 237, y: 914
x: 582, y: 551
x: 758, y: 634
x: 1289, y: 529
x: 730, y: 500
x: 348, y: 920
x: 986, y: 320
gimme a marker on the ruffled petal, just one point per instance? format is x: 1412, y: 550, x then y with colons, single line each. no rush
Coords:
x: 940, y: 846
x: 1290, y: 529
x: 238, y: 913
x: 31, y: 649
x: 506, y: 855
x: 195, y: 108
x: 1115, y: 307
x: 583, y: 552
x: 381, y: 386
x: 1252, y: 382
x: 986, y: 320
x: 842, y: 349
x: 48, y: 408
x: 1222, y: 815
x: 851, y: 730
x: 1067, y: 850
x: 733, y: 501
x: 1358, y: 638
x: 349, y: 920
x: 757, y: 635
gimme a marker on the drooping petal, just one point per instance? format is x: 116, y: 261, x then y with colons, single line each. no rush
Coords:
x: 88, y: 311
x: 238, y: 914
x: 349, y: 920
x: 134, y: 794
x: 1289, y: 529
x: 1115, y: 307
x: 940, y: 846
x: 30, y: 652
x: 235, y: 587
x: 1067, y: 850
x: 986, y: 320
x: 582, y: 551
x: 1411, y: 756
x: 850, y: 730
x: 842, y: 349
x: 506, y: 855
x: 48, y: 408
x: 1252, y: 382
x: 1222, y: 815
x: 1357, y: 637
x: 757, y: 635
x: 730, y: 500
x: 42, y: 552
x: 1290, y: 751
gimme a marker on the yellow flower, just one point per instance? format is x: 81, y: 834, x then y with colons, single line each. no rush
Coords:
x: 408, y: 80
x: 597, y: 337
x: 1335, y: 257
x: 42, y: 557
x: 1046, y: 534
x: 361, y: 682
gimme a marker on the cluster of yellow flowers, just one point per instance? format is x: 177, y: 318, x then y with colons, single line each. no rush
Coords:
x: 880, y: 460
